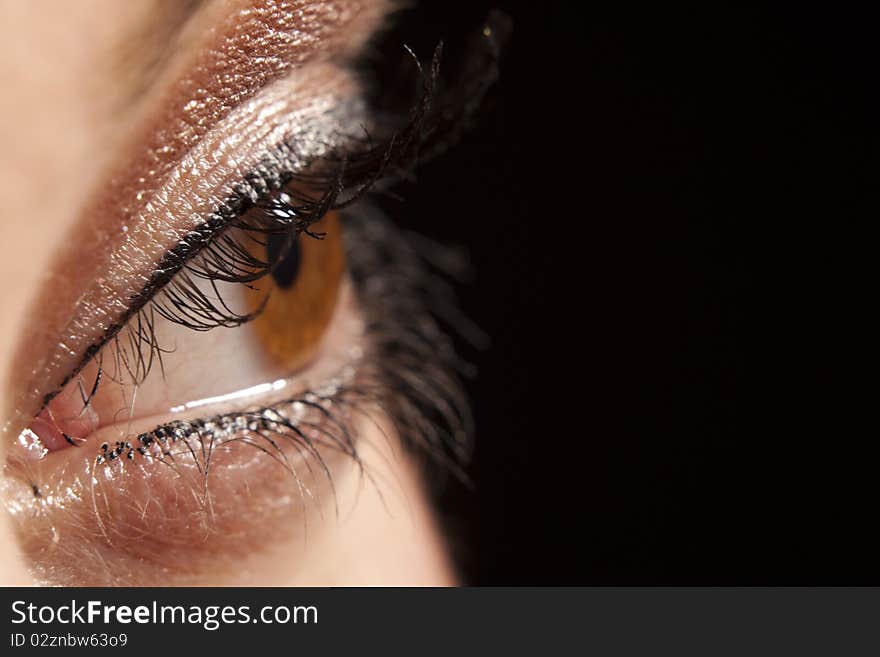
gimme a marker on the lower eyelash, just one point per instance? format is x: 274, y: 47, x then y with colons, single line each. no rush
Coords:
x: 410, y: 372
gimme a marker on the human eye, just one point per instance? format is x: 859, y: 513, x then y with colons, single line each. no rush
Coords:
x: 235, y: 340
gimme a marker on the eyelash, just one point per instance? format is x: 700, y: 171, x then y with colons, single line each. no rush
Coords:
x: 413, y: 372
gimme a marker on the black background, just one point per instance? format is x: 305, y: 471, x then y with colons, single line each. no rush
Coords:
x: 663, y: 207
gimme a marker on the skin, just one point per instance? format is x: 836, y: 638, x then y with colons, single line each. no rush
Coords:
x: 61, y: 133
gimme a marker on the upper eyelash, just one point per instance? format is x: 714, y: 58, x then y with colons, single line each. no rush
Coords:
x: 357, y: 170
x: 227, y: 260
x: 341, y: 178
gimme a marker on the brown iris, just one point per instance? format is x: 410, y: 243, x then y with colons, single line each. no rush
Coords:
x: 302, y: 291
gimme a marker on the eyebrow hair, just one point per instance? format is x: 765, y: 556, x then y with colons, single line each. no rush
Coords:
x: 143, y: 54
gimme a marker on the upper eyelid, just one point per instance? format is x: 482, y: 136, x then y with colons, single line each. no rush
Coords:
x: 355, y: 163
x: 48, y: 366
x: 262, y: 180
x: 360, y: 161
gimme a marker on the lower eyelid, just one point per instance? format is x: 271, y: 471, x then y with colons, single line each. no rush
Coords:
x: 176, y: 529
x: 227, y: 484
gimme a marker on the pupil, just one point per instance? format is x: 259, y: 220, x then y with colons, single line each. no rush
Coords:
x: 287, y: 267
